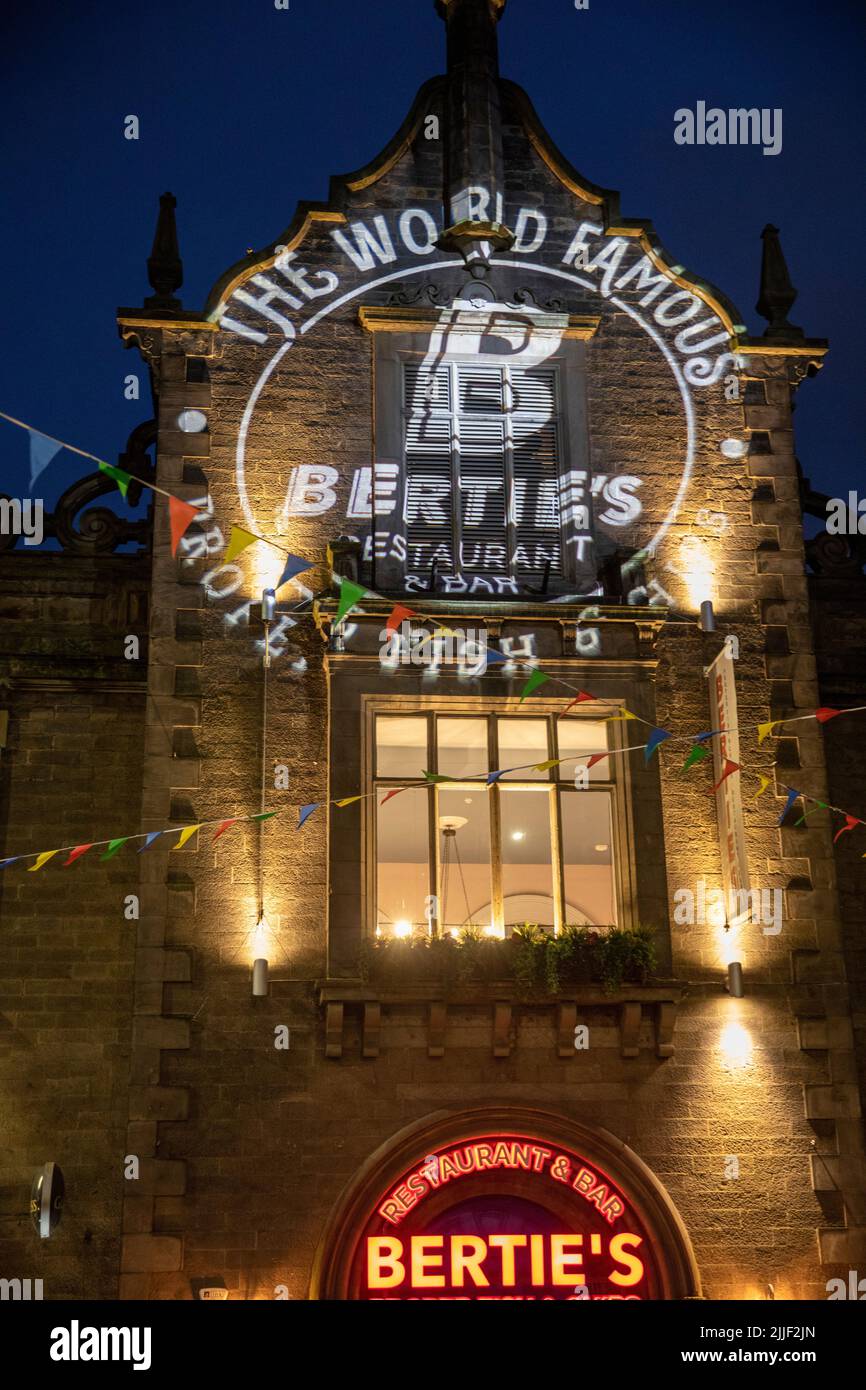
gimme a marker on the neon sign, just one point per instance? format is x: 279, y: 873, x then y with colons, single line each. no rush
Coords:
x: 504, y: 1216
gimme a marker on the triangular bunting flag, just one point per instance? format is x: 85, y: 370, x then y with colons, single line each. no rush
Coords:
x: 545, y: 767
x: 41, y: 859
x: 263, y: 815
x: 395, y: 791
x: 496, y: 657
x: 696, y: 755
x: 597, y: 758
x: 495, y: 776
x: 437, y: 777
x: 656, y: 737
x: 765, y: 782
x: 306, y: 811
x: 764, y: 730
x: 76, y: 854
x: 819, y: 806
x: 238, y: 542
x: 792, y: 797
x: 350, y: 594
x: 186, y: 834
x: 730, y: 766
x: 113, y: 847
x: 180, y: 518
x: 708, y: 733
x: 618, y: 718
x: 42, y: 451
x: 295, y: 564
x: 825, y: 713
x: 535, y: 680
x: 223, y: 826
x: 581, y: 698
x: 4, y: 863
x: 122, y: 479
x: 398, y: 615
x: 346, y: 801
x: 850, y: 822
x: 149, y: 839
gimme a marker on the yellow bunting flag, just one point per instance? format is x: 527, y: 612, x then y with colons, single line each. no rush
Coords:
x: 346, y: 801
x: 43, y: 858
x: 764, y: 730
x: 765, y: 782
x: 545, y: 767
x: 185, y: 835
x: 626, y: 714
x: 238, y: 541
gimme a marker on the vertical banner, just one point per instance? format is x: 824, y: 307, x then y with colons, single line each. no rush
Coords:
x: 729, y: 806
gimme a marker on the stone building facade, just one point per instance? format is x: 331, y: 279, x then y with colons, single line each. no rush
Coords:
x: 470, y: 386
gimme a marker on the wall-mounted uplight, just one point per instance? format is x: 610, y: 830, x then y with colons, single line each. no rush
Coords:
x: 192, y: 421
x: 708, y: 617
x: 403, y: 928
x: 260, y: 978
x: 735, y: 979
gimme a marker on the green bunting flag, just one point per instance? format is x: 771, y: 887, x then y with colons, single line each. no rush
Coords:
x: 113, y: 847
x: 122, y: 479
x: 535, y: 680
x: 696, y: 755
x: 350, y: 594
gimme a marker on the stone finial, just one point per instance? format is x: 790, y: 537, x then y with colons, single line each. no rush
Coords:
x: 475, y: 169
x: 777, y: 294
x: 164, y: 265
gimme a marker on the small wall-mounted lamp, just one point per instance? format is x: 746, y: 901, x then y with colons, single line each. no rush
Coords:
x: 735, y: 979
x: 708, y: 617
x: 269, y: 608
x: 260, y: 978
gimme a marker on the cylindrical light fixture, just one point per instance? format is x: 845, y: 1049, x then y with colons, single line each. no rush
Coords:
x: 260, y: 978
x: 708, y: 617
x: 269, y: 601
x: 735, y: 979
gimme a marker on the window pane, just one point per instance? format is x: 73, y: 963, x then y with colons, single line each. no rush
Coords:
x: 522, y: 741
x: 527, y: 876
x: 462, y: 747
x: 583, y: 736
x: 402, y: 853
x: 401, y: 746
x: 587, y: 859
x: 464, y: 858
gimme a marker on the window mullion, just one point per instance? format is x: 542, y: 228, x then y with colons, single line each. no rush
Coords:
x: 454, y: 425
x: 510, y: 519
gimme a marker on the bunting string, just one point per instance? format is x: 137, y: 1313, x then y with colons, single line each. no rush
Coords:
x: 308, y: 809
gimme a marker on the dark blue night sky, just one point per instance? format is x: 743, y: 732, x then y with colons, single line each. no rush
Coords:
x: 245, y: 109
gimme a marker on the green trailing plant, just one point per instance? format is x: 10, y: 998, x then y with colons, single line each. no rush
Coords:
x: 540, y: 964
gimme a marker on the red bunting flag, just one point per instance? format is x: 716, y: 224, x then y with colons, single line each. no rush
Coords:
x: 850, y: 822
x: 581, y: 699
x: 596, y: 758
x: 180, y: 517
x: 395, y: 791
x: 398, y: 615
x: 825, y: 713
x: 223, y: 827
x: 76, y: 854
x: 729, y: 767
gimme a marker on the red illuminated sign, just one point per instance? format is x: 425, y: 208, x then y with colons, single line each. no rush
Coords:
x: 505, y: 1217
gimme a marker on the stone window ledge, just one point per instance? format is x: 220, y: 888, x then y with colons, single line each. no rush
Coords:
x: 659, y: 1000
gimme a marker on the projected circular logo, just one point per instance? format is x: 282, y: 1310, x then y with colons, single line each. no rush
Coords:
x: 504, y: 1216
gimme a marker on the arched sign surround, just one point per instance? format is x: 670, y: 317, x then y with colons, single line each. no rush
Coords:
x: 504, y: 1203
